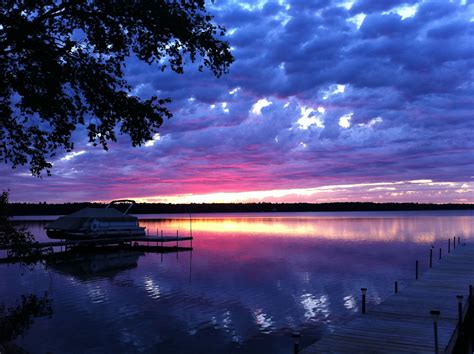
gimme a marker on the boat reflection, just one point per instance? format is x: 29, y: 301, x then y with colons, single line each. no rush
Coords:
x: 102, y: 262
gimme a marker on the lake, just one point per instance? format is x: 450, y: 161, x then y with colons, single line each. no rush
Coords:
x: 250, y: 281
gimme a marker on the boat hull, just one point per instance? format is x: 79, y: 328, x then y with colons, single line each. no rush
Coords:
x: 86, y: 235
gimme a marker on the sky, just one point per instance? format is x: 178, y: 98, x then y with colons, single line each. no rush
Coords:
x: 326, y: 101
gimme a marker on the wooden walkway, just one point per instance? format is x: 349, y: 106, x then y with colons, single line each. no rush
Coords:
x: 402, y: 323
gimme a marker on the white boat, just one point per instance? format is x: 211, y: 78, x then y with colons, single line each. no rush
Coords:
x: 90, y: 223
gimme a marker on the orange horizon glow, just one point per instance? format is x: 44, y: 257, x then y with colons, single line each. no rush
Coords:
x: 377, y: 228
x: 416, y: 191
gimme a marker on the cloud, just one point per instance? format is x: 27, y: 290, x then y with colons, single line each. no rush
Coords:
x: 376, y: 91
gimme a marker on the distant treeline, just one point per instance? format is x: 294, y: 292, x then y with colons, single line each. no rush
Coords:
x: 155, y: 208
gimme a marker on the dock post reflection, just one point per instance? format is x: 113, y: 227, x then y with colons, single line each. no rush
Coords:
x: 364, y: 291
x: 460, y: 298
x: 435, y: 314
x: 296, y: 342
x: 431, y: 257
x: 190, y: 264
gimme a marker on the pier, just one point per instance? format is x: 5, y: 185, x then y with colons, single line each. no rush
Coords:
x: 157, y: 244
x: 109, y: 241
x: 425, y: 316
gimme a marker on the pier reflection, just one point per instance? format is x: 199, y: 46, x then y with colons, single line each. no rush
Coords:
x: 95, y: 262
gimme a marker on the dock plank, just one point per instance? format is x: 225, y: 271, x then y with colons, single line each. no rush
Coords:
x: 402, y: 323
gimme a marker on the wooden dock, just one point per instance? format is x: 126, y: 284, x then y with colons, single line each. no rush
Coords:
x: 108, y: 241
x: 403, y: 323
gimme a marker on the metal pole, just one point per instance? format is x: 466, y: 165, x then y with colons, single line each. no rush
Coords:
x: 435, y: 315
x: 416, y: 270
x: 431, y: 257
x: 364, y: 290
x: 296, y: 342
x: 396, y: 287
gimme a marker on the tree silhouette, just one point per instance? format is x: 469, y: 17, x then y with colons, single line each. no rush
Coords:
x: 14, y: 321
x: 19, y: 242
x: 62, y: 66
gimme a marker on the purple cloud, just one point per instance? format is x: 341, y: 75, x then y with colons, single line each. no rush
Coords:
x: 376, y: 91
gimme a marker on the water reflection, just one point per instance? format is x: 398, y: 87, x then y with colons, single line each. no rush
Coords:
x: 254, y: 280
x: 102, y: 262
x: 421, y: 227
x: 15, y: 320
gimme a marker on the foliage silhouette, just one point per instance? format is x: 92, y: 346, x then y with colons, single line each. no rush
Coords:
x: 62, y: 66
x: 164, y: 208
x: 18, y: 242
x: 16, y: 320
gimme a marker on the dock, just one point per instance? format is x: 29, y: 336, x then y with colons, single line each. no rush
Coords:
x: 108, y: 241
x: 404, y: 322
x: 153, y: 244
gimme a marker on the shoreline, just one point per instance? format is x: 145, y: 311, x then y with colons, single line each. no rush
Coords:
x: 32, y: 209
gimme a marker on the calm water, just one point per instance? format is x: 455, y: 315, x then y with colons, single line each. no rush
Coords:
x: 251, y: 280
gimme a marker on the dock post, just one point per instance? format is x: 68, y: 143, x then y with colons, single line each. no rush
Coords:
x: 176, y: 238
x: 454, y: 242
x: 440, y: 249
x: 459, y: 297
x: 435, y: 314
x: 364, y: 291
x: 396, y: 287
x: 459, y: 240
x: 296, y: 342
x: 449, y: 245
x: 416, y: 270
x: 431, y: 257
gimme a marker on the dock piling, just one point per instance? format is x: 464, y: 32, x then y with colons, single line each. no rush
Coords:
x: 454, y: 242
x: 364, y: 291
x: 416, y: 270
x: 459, y: 240
x: 396, y: 287
x: 296, y: 342
x: 440, y: 250
x: 435, y: 314
x: 449, y: 245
